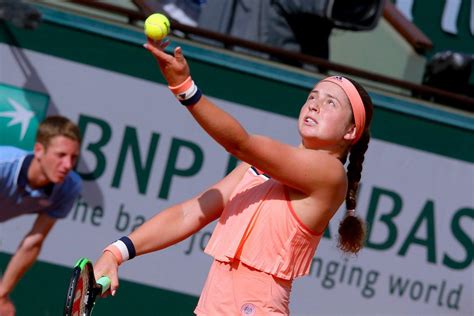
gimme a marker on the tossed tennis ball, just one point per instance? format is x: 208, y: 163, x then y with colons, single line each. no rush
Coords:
x: 157, y: 26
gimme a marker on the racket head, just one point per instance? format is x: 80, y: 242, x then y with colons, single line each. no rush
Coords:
x: 81, y: 291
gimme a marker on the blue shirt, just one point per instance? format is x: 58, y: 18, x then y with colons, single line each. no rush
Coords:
x: 18, y: 198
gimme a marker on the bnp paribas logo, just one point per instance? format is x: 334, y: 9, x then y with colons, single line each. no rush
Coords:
x: 21, y: 111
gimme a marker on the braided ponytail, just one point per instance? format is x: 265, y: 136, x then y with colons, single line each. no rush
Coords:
x: 352, y: 228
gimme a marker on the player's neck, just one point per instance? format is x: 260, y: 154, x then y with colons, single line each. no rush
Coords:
x: 336, y: 150
x: 36, y: 177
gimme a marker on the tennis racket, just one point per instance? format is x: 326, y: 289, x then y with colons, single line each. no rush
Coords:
x: 83, y: 289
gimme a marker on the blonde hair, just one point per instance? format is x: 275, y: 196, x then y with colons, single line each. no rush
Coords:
x: 57, y: 125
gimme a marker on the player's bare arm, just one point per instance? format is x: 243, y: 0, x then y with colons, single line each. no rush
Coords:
x: 175, y: 223
x: 27, y: 252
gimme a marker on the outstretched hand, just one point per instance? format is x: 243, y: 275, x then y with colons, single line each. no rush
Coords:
x: 175, y: 69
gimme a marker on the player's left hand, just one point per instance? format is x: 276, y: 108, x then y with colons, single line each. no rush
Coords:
x: 175, y: 69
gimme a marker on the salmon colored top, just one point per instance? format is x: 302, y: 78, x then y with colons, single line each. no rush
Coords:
x: 259, y: 227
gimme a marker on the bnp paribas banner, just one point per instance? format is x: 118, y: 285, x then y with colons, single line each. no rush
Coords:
x: 142, y: 152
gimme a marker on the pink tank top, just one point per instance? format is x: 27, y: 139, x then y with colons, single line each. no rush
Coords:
x: 259, y: 227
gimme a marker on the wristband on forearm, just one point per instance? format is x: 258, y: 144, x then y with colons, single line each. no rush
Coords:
x: 123, y: 249
x: 186, y: 92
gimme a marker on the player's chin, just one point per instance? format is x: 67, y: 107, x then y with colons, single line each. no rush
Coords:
x: 308, y: 132
x: 58, y: 178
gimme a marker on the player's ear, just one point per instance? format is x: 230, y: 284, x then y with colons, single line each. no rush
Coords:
x: 39, y: 150
x: 351, y: 133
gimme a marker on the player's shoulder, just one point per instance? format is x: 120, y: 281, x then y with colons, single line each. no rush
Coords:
x: 74, y: 181
x: 10, y: 161
x: 330, y: 169
x: 75, y: 177
x: 71, y: 186
x: 11, y: 153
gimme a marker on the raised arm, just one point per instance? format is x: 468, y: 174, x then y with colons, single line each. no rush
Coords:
x: 302, y: 169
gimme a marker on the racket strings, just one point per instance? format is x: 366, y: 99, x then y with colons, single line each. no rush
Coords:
x: 84, y: 292
x: 87, y: 291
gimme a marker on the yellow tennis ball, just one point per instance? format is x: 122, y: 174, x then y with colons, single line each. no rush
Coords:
x: 157, y: 26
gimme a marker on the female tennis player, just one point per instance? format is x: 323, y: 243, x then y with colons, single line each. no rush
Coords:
x: 281, y: 196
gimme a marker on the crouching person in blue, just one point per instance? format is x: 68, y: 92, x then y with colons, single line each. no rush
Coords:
x: 42, y: 183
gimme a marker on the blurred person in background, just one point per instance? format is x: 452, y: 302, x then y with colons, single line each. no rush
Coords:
x: 293, y: 25
x: 41, y: 183
x: 277, y: 23
x: 184, y: 11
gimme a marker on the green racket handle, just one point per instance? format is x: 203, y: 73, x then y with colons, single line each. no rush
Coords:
x: 104, y: 282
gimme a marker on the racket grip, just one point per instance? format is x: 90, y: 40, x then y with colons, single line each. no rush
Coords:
x: 104, y: 282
